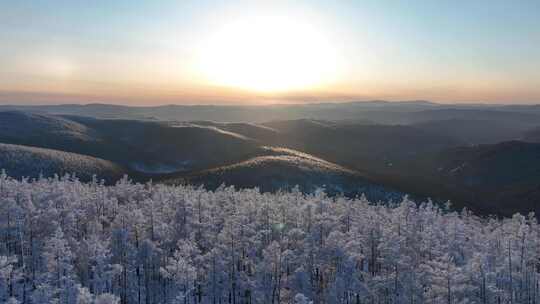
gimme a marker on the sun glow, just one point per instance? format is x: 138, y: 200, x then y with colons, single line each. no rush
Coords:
x: 269, y: 54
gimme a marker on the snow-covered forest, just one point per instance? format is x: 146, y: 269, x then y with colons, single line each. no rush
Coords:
x: 63, y: 241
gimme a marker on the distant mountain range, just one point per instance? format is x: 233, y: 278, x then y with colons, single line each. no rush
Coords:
x: 484, y: 157
x: 375, y: 111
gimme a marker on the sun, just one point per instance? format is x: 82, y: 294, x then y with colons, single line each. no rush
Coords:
x: 268, y: 54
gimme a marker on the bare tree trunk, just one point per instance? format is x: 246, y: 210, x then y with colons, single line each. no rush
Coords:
x: 510, y: 273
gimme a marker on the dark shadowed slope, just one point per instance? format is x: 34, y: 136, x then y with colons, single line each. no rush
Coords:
x: 471, y: 131
x: 153, y: 147
x: 492, y: 165
x: 502, y: 178
x: 509, y: 117
x: 532, y: 135
x: 359, y: 146
x: 28, y: 127
x: 21, y: 161
x: 424, y: 159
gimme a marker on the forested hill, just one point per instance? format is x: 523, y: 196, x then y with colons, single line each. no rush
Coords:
x: 22, y: 161
x: 63, y: 241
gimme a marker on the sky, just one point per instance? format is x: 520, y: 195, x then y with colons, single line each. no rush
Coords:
x: 259, y: 52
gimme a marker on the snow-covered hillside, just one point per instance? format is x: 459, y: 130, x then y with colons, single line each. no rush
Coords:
x: 23, y: 161
x: 63, y: 241
x: 281, y: 169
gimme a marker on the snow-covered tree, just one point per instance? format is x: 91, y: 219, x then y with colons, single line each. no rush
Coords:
x: 63, y: 241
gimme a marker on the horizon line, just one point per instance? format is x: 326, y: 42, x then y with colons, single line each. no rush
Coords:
x: 254, y: 104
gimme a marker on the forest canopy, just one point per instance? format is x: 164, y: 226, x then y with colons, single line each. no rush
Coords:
x: 63, y: 241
